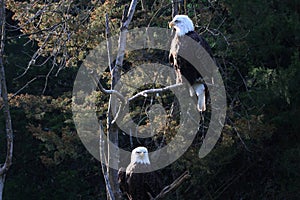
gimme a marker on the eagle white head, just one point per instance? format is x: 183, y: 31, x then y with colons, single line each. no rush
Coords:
x: 140, y: 155
x: 182, y: 24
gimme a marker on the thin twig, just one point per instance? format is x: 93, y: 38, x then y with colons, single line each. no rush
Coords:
x: 108, y: 41
x: 166, y: 190
x: 239, y: 136
x: 22, y: 88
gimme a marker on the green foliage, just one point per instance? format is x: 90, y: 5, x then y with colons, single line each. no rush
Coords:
x: 256, y: 44
x: 49, y: 157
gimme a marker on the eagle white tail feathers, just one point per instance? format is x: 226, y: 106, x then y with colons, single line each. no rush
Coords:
x: 199, y: 89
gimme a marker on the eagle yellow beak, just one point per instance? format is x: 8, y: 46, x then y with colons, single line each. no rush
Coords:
x: 171, y: 24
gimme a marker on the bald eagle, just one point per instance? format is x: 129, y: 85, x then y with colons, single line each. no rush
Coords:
x: 183, y: 26
x: 138, y: 181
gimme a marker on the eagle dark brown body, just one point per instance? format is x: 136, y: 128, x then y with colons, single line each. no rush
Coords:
x: 181, y: 66
x: 139, y: 181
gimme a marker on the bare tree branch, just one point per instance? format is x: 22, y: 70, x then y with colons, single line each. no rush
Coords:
x: 172, y: 186
x: 113, y: 129
x: 108, y: 42
x: 4, y: 95
x: 152, y: 91
x: 175, y: 8
x: 156, y: 13
x: 104, y: 163
x: 110, y: 92
x: 54, y: 38
x: 8, y: 126
x: 129, y: 15
x: 239, y: 136
x: 142, y: 93
x: 24, y: 86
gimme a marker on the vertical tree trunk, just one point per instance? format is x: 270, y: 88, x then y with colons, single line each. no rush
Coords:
x: 174, y: 8
x: 2, y: 180
x: 113, y: 132
x: 5, y: 106
x: 113, y: 129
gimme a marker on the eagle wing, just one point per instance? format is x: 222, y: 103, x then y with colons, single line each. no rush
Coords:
x: 198, y: 38
x: 180, y: 64
x: 122, y: 180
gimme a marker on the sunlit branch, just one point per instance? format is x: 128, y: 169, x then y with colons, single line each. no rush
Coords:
x: 156, y: 90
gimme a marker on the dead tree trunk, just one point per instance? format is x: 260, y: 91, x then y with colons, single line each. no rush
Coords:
x: 174, y: 8
x: 5, y: 106
x: 2, y: 180
x: 177, y: 7
x: 113, y: 129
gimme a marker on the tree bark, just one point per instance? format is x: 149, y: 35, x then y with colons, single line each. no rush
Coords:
x: 113, y: 129
x: 8, y: 127
x: 175, y: 8
x: 2, y: 180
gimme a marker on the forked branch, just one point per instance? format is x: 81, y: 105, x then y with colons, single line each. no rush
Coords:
x: 125, y: 102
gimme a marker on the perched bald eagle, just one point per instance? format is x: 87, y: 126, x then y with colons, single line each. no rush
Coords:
x: 138, y: 181
x: 183, y: 26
